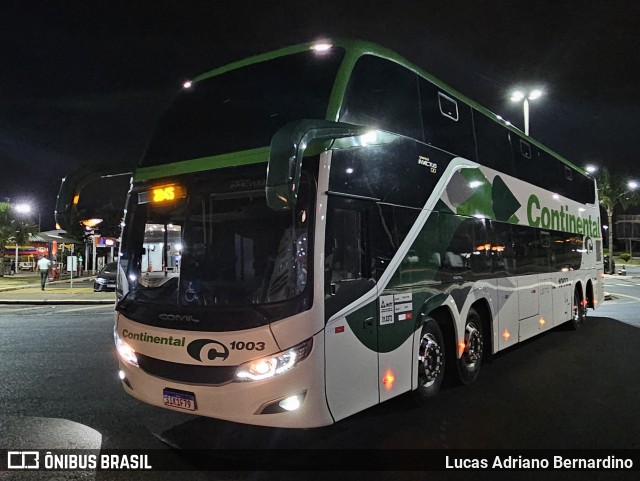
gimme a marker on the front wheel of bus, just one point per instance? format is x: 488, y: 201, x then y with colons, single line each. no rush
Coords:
x: 472, y: 346
x: 431, y: 360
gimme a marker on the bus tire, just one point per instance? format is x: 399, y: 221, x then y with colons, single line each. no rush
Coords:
x: 470, y: 362
x: 578, y: 311
x: 431, y: 360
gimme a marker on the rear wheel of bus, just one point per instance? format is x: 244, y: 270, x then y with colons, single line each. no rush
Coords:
x: 578, y: 310
x: 470, y: 362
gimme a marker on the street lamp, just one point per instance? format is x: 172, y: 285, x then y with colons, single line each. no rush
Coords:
x: 520, y: 96
x: 20, y: 209
x: 24, y: 208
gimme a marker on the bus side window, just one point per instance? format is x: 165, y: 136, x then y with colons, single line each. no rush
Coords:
x: 502, y: 254
x: 447, y: 122
x: 344, y: 252
x: 383, y: 94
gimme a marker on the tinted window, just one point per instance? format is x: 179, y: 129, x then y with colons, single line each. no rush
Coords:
x: 527, y: 162
x: 447, y: 121
x: 384, y: 95
x: 218, y: 249
x: 531, y: 250
x: 362, y: 238
x: 546, y: 171
x: 502, y: 250
x: 347, y: 269
x: 243, y: 108
x: 396, y: 170
x: 468, y: 253
x: 494, y: 144
x: 566, y: 251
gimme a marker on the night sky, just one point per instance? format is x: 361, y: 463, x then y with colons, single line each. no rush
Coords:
x: 85, y: 82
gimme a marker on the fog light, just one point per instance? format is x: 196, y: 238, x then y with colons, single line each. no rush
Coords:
x: 283, y: 405
x: 121, y: 375
x: 291, y: 403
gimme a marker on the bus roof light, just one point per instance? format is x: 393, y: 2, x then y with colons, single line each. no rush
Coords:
x: 321, y: 47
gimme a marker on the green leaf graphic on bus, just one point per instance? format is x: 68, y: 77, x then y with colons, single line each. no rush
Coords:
x: 504, y: 202
x: 472, y: 193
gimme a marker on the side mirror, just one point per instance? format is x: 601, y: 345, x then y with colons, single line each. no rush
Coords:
x: 288, y: 146
x: 72, y: 185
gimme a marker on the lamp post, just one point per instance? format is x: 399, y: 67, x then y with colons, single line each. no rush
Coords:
x: 520, y: 96
x: 89, y: 224
x: 610, y: 203
x: 21, y: 208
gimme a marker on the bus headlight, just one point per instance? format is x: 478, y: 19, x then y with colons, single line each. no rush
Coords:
x: 273, y: 365
x: 126, y: 352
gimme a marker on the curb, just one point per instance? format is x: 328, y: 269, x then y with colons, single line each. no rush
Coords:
x: 79, y: 302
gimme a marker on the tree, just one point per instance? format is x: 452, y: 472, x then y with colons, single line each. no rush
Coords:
x: 111, y: 225
x: 13, y: 229
x: 22, y: 231
x: 75, y: 230
x: 613, y: 190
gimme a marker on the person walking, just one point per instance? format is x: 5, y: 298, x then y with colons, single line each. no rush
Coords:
x: 43, y: 266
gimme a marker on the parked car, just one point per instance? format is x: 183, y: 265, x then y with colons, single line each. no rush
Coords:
x: 607, y: 259
x: 106, y: 278
x: 25, y: 266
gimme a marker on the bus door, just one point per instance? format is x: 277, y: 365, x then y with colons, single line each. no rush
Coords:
x: 526, y: 246
x: 351, y: 312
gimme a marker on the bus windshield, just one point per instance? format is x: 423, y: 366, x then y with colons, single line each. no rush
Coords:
x: 218, y: 246
x: 243, y: 108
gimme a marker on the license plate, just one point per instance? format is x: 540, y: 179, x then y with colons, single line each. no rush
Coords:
x: 179, y: 399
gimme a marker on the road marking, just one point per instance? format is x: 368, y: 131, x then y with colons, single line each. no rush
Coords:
x: 86, y: 308
x: 18, y: 309
x: 626, y: 295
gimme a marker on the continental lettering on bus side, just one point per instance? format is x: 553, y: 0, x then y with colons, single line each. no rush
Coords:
x: 559, y: 219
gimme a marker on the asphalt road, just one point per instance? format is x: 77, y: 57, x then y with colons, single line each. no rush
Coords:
x: 562, y: 390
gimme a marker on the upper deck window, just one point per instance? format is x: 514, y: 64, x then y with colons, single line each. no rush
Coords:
x: 384, y: 95
x: 243, y: 108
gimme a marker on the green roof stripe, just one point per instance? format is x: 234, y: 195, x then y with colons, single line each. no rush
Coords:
x: 253, y: 156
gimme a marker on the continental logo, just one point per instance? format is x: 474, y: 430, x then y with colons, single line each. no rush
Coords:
x: 144, y: 337
x: 539, y: 215
x: 207, y: 349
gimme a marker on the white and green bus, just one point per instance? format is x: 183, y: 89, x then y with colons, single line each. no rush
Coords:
x: 317, y: 230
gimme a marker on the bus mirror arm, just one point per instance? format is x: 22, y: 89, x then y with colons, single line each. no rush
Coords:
x: 288, y: 147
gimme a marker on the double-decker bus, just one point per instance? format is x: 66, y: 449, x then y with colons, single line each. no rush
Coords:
x: 317, y: 230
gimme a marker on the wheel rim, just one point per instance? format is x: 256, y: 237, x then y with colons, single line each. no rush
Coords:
x: 473, y: 345
x: 431, y: 360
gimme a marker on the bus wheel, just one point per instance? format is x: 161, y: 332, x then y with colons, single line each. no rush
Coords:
x: 471, y: 360
x: 431, y: 360
x: 578, y: 311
